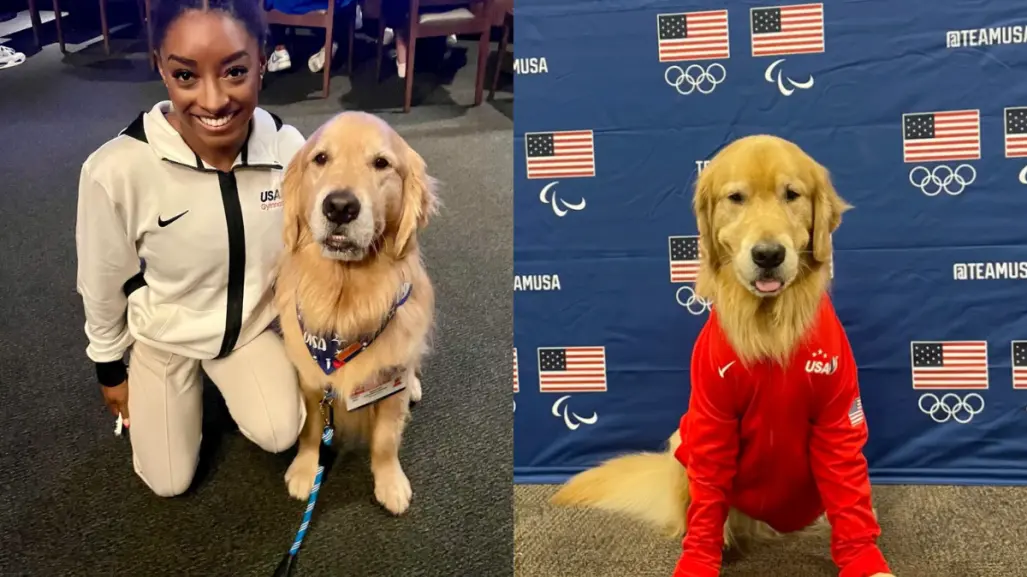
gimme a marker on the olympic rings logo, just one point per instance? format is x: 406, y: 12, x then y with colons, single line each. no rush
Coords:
x: 950, y: 406
x: 932, y: 182
x: 694, y: 304
x: 695, y: 77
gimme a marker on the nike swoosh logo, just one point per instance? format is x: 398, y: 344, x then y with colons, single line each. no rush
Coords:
x: 162, y: 223
x: 724, y: 369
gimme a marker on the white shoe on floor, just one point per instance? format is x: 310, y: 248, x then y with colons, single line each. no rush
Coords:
x: 316, y: 63
x: 9, y: 57
x: 279, y: 60
x: 451, y: 40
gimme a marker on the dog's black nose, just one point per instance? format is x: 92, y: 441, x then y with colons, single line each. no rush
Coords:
x: 341, y: 206
x: 768, y: 254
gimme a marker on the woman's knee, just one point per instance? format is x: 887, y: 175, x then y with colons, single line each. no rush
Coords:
x: 280, y: 426
x: 169, y: 481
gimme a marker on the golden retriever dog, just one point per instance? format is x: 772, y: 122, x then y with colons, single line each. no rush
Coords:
x: 766, y: 212
x: 355, y: 197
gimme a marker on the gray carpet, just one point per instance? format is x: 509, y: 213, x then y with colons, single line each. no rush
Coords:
x: 70, y: 503
x: 928, y: 531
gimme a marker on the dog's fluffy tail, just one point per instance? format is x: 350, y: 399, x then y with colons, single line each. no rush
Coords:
x: 651, y: 487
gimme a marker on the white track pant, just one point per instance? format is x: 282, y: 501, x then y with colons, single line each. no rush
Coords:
x: 258, y: 384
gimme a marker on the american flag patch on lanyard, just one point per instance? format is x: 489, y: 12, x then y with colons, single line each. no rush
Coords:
x: 856, y: 412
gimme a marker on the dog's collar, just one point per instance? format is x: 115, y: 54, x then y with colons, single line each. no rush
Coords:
x: 331, y: 352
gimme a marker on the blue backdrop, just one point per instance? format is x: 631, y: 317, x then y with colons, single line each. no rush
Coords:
x: 914, y: 108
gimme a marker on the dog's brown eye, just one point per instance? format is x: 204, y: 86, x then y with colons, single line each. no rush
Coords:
x: 736, y: 197
x: 321, y: 159
x: 791, y: 195
x: 381, y: 163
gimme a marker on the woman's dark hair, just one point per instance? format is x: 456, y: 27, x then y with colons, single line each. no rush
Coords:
x: 249, y: 13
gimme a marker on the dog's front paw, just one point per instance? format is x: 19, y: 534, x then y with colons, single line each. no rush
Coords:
x: 415, y: 389
x: 301, y: 474
x: 392, y: 489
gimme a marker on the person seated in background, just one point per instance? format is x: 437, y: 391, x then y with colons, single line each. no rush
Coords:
x: 280, y: 59
x: 396, y: 14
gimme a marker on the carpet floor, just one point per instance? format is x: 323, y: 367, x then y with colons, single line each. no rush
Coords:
x: 928, y: 531
x: 70, y: 503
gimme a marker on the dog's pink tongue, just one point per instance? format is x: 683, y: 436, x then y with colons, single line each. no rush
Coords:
x: 768, y: 285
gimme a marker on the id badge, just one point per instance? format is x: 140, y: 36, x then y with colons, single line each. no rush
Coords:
x: 370, y: 393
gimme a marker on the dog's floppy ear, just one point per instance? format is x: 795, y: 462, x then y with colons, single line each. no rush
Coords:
x: 292, y: 199
x: 828, y: 208
x: 702, y: 205
x: 419, y: 202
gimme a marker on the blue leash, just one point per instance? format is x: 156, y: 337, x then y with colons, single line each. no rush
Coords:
x: 285, y: 567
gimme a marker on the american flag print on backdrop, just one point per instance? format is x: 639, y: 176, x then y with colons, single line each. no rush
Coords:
x: 941, y: 136
x: 949, y: 364
x: 567, y: 154
x: 693, y: 36
x: 684, y: 258
x: 516, y: 376
x: 572, y: 369
x: 1016, y: 131
x: 783, y: 30
x: 856, y: 416
x: 1020, y: 364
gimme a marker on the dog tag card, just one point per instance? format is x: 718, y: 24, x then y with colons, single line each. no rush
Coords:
x: 370, y: 392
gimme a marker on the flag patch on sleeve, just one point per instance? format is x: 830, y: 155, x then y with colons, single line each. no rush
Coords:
x: 856, y: 412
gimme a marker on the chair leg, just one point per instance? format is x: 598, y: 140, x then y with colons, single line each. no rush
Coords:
x: 351, y: 32
x: 104, y: 28
x: 57, y: 23
x: 148, y: 8
x: 500, y: 56
x: 483, y: 58
x: 408, y: 94
x: 380, y: 50
x: 328, y: 60
x: 36, y: 22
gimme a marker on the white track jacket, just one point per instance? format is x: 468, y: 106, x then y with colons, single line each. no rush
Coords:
x: 208, y: 241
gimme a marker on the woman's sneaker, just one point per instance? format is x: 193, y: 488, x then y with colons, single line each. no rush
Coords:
x: 316, y: 63
x: 279, y: 60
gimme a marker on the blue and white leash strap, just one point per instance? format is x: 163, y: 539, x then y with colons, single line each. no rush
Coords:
x: 327, y: 411
x: 286, y: 566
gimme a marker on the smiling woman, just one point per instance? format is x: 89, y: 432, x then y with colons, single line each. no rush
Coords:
x: 168, y: 192
x: 211, y: 57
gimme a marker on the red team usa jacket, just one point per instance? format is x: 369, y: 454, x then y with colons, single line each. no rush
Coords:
x: 782, y: 445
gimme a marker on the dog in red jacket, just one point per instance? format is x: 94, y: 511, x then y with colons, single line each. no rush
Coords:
x: 774, y: 433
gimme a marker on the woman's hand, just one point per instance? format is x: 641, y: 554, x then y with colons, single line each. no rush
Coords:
x: 116, y: 399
